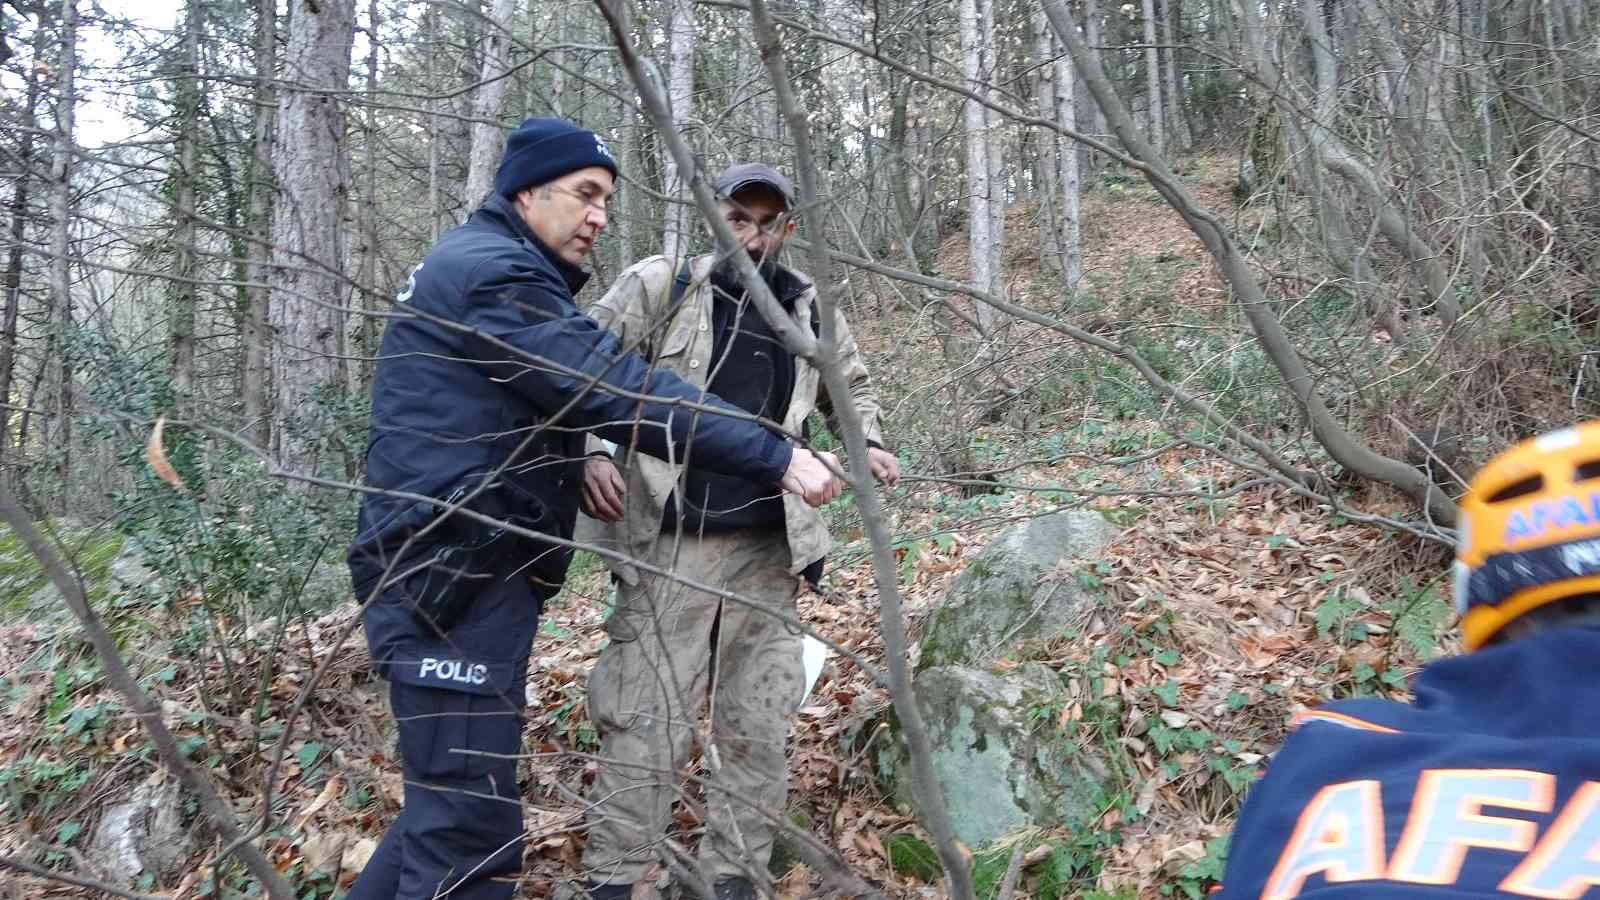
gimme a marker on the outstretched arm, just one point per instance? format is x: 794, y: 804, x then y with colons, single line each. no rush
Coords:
x: 529, y: 334
x: 884, y: 465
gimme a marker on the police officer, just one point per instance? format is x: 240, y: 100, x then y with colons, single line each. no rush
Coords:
x: 480, y: 382
x: 1488, y: 785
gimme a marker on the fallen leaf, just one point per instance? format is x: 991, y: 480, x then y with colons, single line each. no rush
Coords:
x: 1183, y: 854
x: 869, y: 843
x: 794, y: 885
x: 329, y: 792
x: 321, y: 851
x: 1147, y: 796
x: 359, y: 854
x: 393, y: 786
x: 156, y: 455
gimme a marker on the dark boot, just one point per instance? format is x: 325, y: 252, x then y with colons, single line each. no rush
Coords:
x: 609, y: 891
x: 734, y: 888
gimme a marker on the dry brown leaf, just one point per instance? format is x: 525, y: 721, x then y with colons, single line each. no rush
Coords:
x: 794, y: 885
x: 357, y: 855
x: 329, y: 792
x: 393, y: 787
x: 334, y: 851
x: 156, y: 455
x: 870, y: 844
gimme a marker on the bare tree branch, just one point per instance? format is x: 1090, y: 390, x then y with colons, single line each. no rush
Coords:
x: 926, y: 785
x: 11, y: 862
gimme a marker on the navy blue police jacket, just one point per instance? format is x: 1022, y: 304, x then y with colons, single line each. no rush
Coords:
x: 1488, y: 785
x: 482, y: 378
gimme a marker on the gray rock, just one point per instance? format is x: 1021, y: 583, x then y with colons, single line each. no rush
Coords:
x: 46, y: 600
x: 786, y: 853
x: 1001, y: 768
x: 128, y: 570
x: 144, y: 833
x: 998, y: 601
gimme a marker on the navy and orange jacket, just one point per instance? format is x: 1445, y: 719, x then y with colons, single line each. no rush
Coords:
x: 1488, y: 785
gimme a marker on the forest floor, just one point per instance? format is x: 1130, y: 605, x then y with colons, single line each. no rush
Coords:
x: 1224, y: 607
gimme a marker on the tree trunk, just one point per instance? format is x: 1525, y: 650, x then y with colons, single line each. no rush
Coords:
x: 755, y: 100
x: 487, y: 136
x: 307, y: 229
x: 185, y: 284
x: 1350, y: 258
x: 29, y: 404
x: 935, y: 814
x: 430, y: 27
x: 979, y: 219
x: 558, y: 62
x: 680, y: 94
x: 369, y: 277
x: 1178, y: 124
x: 256, y: 321
x: 60, y: 269
x: 1049, y: 167
x: 995, y: 153
x: 1152, y: 79
x: 1069, y: 223
x: 20, y: 197
x: 1091, y: 36
x: 900, y: 184
x: 628, y: 201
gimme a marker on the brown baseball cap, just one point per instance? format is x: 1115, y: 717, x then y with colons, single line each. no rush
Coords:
x: 742, y: 175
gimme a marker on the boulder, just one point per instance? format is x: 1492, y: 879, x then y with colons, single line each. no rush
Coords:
x: 1000, y: 599
x: 144, y: 833
x: 128, y: 571
x: 1001, y: 767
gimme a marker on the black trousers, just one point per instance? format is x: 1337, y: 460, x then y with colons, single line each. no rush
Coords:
x: 460, y: 833
x: 461, y: 829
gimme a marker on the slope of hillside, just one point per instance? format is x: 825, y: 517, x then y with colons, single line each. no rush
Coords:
x: 1225, y: 604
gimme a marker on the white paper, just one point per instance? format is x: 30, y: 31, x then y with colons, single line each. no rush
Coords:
x: 814, y: 654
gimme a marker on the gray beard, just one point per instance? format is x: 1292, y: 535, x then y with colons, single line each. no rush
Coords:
x: 767, y: 268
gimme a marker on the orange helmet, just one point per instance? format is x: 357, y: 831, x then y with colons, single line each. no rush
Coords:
x: 1529, y: 531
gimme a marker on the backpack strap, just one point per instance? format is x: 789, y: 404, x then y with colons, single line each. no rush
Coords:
x: 680, y: 286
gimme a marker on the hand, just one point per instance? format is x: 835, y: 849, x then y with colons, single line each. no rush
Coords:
x: 814, y: 476
x: 884, y: 466
x: 603, y: 489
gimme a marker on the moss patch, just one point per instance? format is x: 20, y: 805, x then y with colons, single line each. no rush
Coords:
x: 91, y: 550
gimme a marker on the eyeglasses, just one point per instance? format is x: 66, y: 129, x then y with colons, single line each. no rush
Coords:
x: 589, y: 196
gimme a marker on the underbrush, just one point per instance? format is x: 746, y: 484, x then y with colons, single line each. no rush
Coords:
x: 69, y: 748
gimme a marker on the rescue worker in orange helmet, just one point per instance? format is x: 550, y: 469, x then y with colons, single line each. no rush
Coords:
x: 1488, y: 784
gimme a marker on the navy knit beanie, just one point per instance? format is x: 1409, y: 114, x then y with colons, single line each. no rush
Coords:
x: 540, y: 150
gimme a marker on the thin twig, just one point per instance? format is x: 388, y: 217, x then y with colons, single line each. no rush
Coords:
x: 1008, y: 884
x: 11, y: 862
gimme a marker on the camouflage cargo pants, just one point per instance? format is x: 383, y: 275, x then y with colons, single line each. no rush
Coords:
x: 652, y: 683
